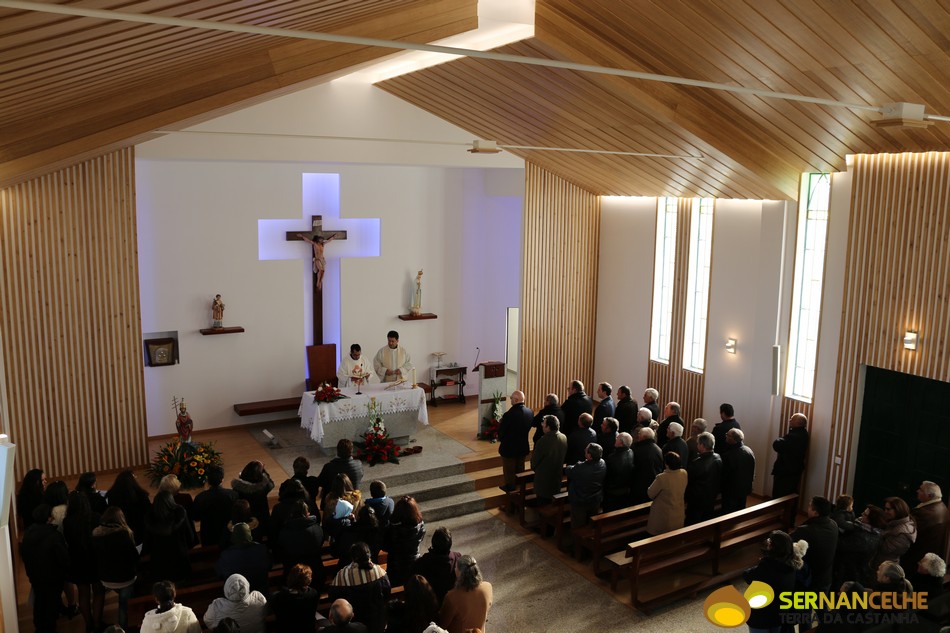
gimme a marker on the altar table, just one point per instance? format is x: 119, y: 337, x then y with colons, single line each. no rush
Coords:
x: 329, y: 422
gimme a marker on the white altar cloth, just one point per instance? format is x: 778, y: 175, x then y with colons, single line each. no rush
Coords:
x: 401, y: 408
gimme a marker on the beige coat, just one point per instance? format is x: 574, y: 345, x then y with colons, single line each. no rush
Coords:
x: 669, y: 508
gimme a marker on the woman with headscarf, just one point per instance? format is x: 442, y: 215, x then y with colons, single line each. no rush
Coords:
x: 466, y: 607
x: 247, y: 608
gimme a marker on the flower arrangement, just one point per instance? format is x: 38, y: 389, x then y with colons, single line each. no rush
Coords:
x: 489, y: 427
x: 327, y: 393
x: 188, y: 460
x: 377, y: 447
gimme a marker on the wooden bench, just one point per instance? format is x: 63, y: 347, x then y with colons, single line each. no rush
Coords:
x: 523, y: 495
x: 557, y: 516
x: 268, y: 406
x: 704, y: 542
x: 610, y: 532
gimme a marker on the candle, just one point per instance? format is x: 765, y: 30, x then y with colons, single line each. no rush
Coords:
x: 413, y: 376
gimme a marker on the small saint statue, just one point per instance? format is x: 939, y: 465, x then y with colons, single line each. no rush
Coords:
x: 183, y: 423
x: 416, y: 308
x: 217, y: 312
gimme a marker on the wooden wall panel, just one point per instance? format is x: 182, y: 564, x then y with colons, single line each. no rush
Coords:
x: 672, y: 381
x: 70, y: 318
x: 559, y: 290
x: 897, y: 278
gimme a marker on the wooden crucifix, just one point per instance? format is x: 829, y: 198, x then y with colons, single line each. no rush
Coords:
x: 317, y: 238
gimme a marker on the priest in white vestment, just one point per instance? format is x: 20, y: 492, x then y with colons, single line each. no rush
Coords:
x: 354, y: 364
x: 392, y: 361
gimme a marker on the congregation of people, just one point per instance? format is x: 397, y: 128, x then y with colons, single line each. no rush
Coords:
x: 618, y: 454
x: 79, y: 545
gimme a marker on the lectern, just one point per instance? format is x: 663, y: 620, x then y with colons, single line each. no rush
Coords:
x: 491, y: 381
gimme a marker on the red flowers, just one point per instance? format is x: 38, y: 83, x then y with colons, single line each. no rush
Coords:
x: 327, y: 393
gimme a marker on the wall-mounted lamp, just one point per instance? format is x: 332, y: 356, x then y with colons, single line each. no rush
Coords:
x: 731, y: 345
x: 910, y: 340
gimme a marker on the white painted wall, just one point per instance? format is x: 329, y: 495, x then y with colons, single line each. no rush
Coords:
x: 200, y: 196
x: 625, y: 293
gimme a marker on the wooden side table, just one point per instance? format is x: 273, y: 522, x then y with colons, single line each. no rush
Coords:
x: 448, y: 378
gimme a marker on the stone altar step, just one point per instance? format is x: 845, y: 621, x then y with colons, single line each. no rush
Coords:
x: 447, y: 491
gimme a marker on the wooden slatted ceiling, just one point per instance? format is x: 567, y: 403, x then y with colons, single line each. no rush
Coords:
x: 896, y: 199
x: 73, y: 87
x: 859, y: 52
x: 72, y: 339
x: 559, y: 289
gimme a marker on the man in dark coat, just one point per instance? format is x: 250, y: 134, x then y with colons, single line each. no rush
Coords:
x: 791, y: 449
x: 647, y: 464
x: 704, y: 474
x: 671, y: 413
x: 585, y: 485
x: 577, y: 403
x: 728, y: 421
x: 821, y: 533
x: 342, y: 463
x: 213, y: 507
x: 513, y: 439
x: 606, y: 407
x: 676, y: 444
x: 607, y: 435
x: 46, y: 559
x: 698, y: 426
x: 650, y: 397
x: 578, y: 440
x: 552, y: 406
x: 619, y: 479
x: 626, y: 410
x: 738, y: 471
x: 933, y: 526
x: 547, y: 460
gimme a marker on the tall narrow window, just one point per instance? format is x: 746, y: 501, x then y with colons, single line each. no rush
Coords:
x: 664, y: 266
x: 806, y: 294
x: 697, y: 284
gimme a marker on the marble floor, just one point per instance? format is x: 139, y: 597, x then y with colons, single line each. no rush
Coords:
x: 534, y: 590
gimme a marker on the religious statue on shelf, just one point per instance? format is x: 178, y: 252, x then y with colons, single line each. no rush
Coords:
x: 183, y: 423
x: 217, y: 312
x: 416, y: 308
x: 319, y: 260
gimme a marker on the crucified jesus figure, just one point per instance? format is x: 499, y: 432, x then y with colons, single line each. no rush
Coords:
x: 319, y: 261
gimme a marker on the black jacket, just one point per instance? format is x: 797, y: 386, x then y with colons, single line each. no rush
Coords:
x: 647, y: 464
x: 604, y: 410
x: 402, y: 542
x: 678, y: 445
x: 719, y: 432
x: 577, y: 445
x: 513, y: 431
x: 738, y: 471
x: 626, y: 414
x: 791, y: 451
x: 619, y: 480
x: 664, y: 426
x: 115, y: 551
x: 45, y: 555
x: 705, y: 473
x: 556, y: 411
x: 821, y: 533
x: 573, y: 407
x: 213, y: 509
x: 780, y: 577
x: 585, y: 483
x: 301, y: 541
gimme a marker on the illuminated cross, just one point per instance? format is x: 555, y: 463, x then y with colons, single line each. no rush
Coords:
x: 358, y: 237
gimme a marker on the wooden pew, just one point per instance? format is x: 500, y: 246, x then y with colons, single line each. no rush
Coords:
x: 523, y: 495
x: 703, y: 542
x: 557, y: 516
x: 609, y: 532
